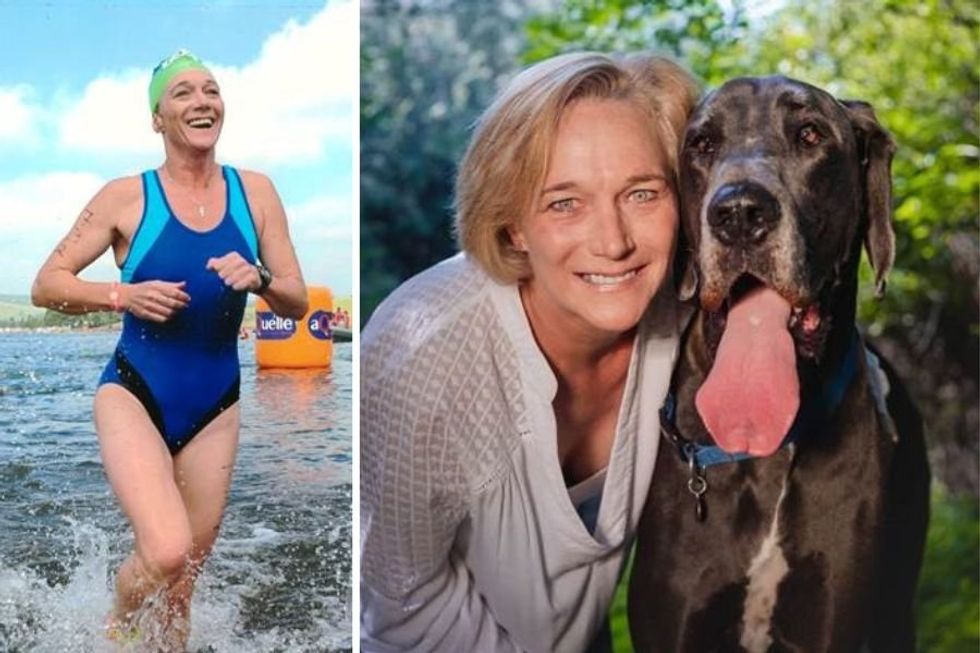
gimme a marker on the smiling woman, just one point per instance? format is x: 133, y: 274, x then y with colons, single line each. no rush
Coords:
x: 509, y: 395
x: 188, y: 237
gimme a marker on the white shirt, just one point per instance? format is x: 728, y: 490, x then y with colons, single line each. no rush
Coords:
x: 469, y: 539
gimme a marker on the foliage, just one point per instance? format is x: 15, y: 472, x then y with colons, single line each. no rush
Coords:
x: 702, y: 34
x: 13, y: 310
x: 618, y: 620
x: 428, y: 68
x: 43, y: 319
x: 948, y: 614
x: 86, y: 320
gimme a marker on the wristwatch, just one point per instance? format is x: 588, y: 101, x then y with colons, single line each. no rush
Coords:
x: 265, y: 278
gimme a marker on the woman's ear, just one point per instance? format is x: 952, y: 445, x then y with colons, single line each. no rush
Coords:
x: 157, y: 123
x: 516, y: 238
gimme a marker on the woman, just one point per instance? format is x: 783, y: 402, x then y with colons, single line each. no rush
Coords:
x: 188, y: 237
x: 510, y: 394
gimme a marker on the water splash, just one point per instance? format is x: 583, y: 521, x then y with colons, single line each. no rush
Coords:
x: 38, y: 617
x: 41, y: 618
x: 279, y: 578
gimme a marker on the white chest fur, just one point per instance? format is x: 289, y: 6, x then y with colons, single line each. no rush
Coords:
x: 766, y: 571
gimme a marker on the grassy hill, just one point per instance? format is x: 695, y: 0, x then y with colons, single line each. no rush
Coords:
x: 14, y: 308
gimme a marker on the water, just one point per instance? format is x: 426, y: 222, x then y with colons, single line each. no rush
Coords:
x: 279, y: 576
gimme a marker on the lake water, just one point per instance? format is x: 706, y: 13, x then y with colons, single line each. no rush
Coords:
x: 279, y: 577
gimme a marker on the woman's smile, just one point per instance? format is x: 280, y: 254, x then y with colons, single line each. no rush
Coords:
x: 610, y: 281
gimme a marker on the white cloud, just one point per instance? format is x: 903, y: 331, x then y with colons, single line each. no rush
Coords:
x: 281, y: 108
x: 284, y: 107
x: 19, y: 123
x: 331, y: 211
x: 322, y: 232
x: 47, y: 203
x: 111, y: 117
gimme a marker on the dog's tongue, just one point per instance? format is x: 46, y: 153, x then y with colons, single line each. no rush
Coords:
x: 750, y: 398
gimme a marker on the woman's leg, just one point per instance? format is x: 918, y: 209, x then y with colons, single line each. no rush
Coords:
x: 141, y: 473
x: 203, y: 472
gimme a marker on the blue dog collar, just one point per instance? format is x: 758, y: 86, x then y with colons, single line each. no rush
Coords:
x: 810, y: 414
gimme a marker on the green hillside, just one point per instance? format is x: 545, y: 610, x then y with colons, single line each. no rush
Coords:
x: 14, y: 308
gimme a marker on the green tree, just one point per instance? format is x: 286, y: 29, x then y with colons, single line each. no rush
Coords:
x: 705, y: 36
x: 428, y: 68
x: 83, y: 320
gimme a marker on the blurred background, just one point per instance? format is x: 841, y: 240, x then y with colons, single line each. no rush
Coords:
x: 429, y: 67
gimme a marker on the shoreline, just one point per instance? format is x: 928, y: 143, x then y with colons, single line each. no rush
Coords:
x: 61, y: 329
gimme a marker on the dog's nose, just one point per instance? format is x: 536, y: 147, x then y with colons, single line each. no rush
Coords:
x: 742, y: 214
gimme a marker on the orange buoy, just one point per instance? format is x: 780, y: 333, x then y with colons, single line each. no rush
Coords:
x: 285, y: 342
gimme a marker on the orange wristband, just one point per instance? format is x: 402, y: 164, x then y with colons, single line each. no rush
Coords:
x: 114, y: 297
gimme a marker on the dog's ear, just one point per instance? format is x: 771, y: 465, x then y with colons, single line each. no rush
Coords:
x: 685, y: 274
x: 685, y: 266
x: 875, y: 151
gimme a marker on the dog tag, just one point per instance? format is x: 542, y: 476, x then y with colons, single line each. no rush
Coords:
x: 697, y: 485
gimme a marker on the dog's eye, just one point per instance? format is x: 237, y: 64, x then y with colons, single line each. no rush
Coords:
x: 809, y: 136
x: 703, y: 145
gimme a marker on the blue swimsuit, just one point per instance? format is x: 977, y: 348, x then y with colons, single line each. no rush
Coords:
x: 185, y: 370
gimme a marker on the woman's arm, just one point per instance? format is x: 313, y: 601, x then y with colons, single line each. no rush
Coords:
x: 415, y: 594
x: 443, y: 613
x: 58, y: 287
x: 286, y: 294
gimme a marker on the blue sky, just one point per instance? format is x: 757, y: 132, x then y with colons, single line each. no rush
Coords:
x: 73, y: 114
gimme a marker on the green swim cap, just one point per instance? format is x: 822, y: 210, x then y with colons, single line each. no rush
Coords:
x: 167, y: 69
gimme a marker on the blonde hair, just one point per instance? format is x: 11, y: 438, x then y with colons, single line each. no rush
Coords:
x: 507, y: 158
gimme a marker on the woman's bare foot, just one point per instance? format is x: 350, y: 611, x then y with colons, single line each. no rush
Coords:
x: 122, y: 632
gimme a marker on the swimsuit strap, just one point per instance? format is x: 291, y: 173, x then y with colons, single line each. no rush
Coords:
x: 154, y: 219
x: 239, y: 209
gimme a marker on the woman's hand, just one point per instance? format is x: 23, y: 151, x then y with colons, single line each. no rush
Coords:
x: 236, y: 272
x: 157, y: 301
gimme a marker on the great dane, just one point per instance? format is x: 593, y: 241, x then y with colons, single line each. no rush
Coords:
x: 789, y: 504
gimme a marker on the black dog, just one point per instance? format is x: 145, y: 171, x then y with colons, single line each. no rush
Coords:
x: 790, y: 499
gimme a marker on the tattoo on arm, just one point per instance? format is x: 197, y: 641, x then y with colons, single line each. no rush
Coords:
x: 75, y: 234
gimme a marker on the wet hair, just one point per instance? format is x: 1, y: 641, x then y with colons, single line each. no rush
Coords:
x: 506, y: 162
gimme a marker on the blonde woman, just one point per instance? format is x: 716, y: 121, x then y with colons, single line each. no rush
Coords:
x: 510, y: 394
